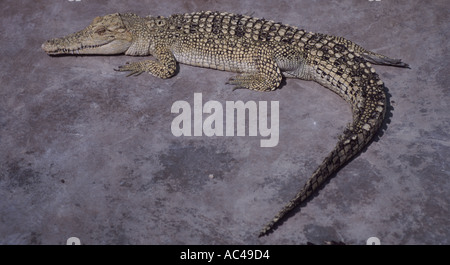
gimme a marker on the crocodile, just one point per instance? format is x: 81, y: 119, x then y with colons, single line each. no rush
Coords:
x: 262, y: 52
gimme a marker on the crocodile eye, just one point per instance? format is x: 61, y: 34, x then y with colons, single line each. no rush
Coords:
x: 160, y: 22
x: 100, y: 31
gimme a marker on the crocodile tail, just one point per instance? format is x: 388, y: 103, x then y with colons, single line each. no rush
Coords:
x: 348, y: 146
x: 366, y: 93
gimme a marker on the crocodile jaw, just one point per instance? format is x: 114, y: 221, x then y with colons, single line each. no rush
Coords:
x: 58, y: 47
x: 105, y: 35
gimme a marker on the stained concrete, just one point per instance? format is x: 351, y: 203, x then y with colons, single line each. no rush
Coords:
x: 88, y: 153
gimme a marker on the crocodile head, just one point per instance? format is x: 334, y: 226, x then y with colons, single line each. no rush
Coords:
x: 105, y: 35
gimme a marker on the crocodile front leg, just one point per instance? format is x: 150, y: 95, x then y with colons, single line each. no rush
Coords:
x: 164, y: 66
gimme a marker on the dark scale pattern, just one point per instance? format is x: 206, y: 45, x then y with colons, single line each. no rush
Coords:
x: 262, y: 51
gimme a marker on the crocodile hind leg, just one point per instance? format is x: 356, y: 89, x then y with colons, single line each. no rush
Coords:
x: 370, y: 56
x: 267, y: 77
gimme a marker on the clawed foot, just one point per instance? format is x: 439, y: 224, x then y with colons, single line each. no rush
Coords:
x: 252, y: 81
x: 135, y: 68
x: 239, y: 82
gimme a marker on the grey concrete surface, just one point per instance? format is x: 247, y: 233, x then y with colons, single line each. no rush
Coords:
x: 89, y: 153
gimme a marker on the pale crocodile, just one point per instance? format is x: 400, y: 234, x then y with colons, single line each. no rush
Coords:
x: 262, y: 51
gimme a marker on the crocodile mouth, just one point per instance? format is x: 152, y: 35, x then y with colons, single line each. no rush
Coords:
x: 52, y: 47
x: 76, y: 50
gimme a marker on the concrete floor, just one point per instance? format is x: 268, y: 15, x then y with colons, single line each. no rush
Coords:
x: 88, y: 153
